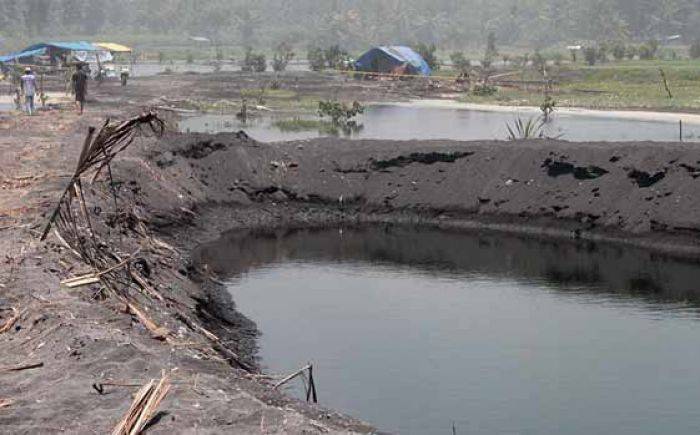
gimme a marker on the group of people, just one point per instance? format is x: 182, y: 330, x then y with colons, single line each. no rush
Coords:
x: 79, y: 85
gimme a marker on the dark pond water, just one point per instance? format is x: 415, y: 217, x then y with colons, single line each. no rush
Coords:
x: 406, y: 122
x: 413, y: 330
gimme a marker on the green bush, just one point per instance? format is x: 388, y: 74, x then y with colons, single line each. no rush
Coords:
x: 459, y: 62
x: 335, y: 56
x: 695, y: 49
x: 428, y: 54
x: 316, y: 58
x: 283, y: 55
x: 254, y: 61
x: 591, y: 55
x: 340, y: 113
x: 648, y: 50
x: 619, y: 51
x: 484, y: 90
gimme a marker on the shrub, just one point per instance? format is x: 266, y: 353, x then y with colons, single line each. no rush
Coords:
x: 533, y: 128
x: 602, y: 53
x: 538, y: 61
x: 484, y: 90
x: 340, y: 113
x: 335, y: 56
x: 254, y: 61
x: 190, y: 58
x: 316, y: 58
x: 619, y: 51
x: 590, y: 54
x: 648, y: 50
x: 632, y: 52
x: 548, y: 106
x: 428, y: 54
x: 459, y: 62
x: 283, y: 54
x: 695, y: 49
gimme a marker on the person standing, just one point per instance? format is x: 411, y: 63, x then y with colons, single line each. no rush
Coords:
x: 28, y: 84
x: 80, y: 87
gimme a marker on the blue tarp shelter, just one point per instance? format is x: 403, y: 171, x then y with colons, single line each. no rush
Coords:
x: 22, y: 54
x: 50, y: 48
x: 387, y: 59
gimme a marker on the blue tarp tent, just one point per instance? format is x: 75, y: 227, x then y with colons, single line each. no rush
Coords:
x: 65, y: 46
x: 22, y: 54
x: 388, y: 58
x: 50, y: 48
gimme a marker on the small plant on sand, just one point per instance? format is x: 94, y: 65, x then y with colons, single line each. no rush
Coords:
x: 532, y: 128
x: 548, y: 106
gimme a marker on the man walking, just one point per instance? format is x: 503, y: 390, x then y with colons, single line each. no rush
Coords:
x: 80, y: 86
x: 28, y: 84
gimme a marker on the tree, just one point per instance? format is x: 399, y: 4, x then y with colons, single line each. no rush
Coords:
x: 283, y: 54
x: 428, y: 54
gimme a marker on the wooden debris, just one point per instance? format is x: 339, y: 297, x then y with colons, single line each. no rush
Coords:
x: 157, y: 332
x: 80, y: 281
x: 93, y: 278
x: 4, y: 403
x: 21, y: 367
x: 11, y: 321
x: 310, y: 386
x: 144, y: 407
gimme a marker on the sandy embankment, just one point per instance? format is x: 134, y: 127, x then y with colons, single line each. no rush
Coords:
x: 633, y: 115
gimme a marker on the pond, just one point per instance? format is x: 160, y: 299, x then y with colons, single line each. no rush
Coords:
x: 424, y: 122
x: 415, y: 330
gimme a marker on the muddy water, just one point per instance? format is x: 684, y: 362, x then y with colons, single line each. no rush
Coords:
x: 413, y: 330
x: 406, y: 122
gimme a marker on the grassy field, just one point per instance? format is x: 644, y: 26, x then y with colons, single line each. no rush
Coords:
x: 623, y: 85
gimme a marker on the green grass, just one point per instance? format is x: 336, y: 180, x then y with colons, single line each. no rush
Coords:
x: 624, y: 85
x: 299, y: 125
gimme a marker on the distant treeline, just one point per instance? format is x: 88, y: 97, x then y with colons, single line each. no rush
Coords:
x: 354, y: 24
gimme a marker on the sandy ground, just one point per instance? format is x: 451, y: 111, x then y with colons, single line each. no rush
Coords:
x: 635, y: 115
x: 188, y: 188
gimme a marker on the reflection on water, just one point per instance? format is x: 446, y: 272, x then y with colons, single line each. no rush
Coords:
x: 391, y: 122
x: 415, y: 329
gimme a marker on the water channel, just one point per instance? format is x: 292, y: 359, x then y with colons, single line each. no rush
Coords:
x: 415, y: 330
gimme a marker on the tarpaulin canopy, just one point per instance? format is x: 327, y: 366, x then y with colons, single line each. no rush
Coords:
x: 66, y: 46
x: 116, y: 48
x: 387, y: 59
x: 22, y: 54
